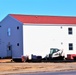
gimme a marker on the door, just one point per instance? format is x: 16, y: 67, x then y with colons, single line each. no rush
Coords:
x: 9, y: 50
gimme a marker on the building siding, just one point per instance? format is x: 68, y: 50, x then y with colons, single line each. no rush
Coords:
x: 38, y: 39
x: 14, y: 38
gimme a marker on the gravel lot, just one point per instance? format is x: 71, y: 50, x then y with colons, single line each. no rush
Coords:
x: 7, y: 68
x: 35, y: 67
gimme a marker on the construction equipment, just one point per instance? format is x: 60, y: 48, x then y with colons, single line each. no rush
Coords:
x: 55, y: 54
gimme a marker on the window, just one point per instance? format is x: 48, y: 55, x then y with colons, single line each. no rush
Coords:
x: 9, y: 32
x: 17, y: 27
x: 70, y: 31
x: 17, y: 44
x: 70, y: 46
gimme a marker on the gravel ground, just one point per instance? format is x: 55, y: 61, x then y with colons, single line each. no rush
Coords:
x: 8, y: 68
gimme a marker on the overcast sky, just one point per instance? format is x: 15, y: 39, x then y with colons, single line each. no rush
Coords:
x: 38, y: 7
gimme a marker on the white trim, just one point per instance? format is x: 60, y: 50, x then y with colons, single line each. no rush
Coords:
x: 33, y: 24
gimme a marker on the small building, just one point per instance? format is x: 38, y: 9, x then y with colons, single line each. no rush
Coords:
x: 34, y: 34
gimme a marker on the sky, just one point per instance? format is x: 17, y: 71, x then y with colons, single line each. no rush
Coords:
x: 38, y: 7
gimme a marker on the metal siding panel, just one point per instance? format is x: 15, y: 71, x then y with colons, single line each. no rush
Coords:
x: 14, y: 38
x: 38, y: 39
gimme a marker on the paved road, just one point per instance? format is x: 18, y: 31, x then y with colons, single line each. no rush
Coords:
x: 51, y: 73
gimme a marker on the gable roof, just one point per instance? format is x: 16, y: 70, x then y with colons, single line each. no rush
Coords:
x: 44, y: 19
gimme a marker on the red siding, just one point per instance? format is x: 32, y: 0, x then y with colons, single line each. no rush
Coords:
x: 45, y: 19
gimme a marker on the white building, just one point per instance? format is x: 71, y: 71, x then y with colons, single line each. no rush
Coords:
x: 30, y: 34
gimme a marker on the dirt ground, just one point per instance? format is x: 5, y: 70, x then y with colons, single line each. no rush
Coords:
x: 6, y: 67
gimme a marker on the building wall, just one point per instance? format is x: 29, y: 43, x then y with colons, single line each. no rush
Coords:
x: 39, y: 38
x: 11, y: 33
x: 34, y: 38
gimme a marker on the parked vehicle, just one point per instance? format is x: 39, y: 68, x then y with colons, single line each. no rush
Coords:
x: 55, y: 54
